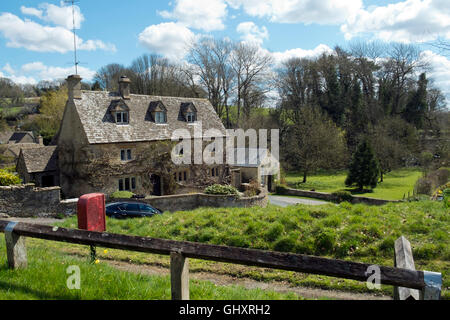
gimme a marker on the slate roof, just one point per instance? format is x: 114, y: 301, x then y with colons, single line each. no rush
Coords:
x: 44, y: 158
x: 14, y: 148
x: 98, y: 123
x: 18, y: 136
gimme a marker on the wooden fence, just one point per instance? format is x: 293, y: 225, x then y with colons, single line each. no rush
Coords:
x: 409, y: 283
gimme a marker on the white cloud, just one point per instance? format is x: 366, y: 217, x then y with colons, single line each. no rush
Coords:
x: 300, y: 11
x: 8, y: 68
x: 31, y: 11
x: 281, y: 57
x: 32, y: 73
x: 62, y: 15
x: 207, y: 15
x: 35, y: 37
x: 252, y: 33
x: 440, y: 71
x: 406, y: 21
x: 168, y: 39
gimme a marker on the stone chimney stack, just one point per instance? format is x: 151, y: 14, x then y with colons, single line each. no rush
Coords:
x: 40, y: 140
x: 124, y: 87
x: 74, y: 86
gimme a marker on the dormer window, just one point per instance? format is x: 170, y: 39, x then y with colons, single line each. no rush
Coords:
x: 160, y: 117
x: 158, y: 112
x: 122, y: 117
x: 120, y: 112
x: 189, y: 112
x: 190, y: 117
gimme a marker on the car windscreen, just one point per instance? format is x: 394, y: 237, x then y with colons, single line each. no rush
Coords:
x: 146, y: 208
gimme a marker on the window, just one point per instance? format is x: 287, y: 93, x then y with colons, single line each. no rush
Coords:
x: 125, y: 154
x: 215, y: 172
x: 122, y: 117
x: 160, y: 117
x: 180, y: 176
x: 127, y: 184
x: 190, y: 117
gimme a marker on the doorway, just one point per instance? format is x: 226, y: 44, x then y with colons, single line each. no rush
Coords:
x: 155, y: 181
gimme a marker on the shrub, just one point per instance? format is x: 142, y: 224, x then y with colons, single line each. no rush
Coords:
x: 281, y: 189
x: 342, y: 196
x: 252, y: 189
x: 221, y: 189
x: 424, y: 186
x: 122, y: 195
x: 7, y: 178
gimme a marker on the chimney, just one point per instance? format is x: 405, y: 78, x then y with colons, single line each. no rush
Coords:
x: 124, y: 87
x: 74, y: 86
x: 40, y: 140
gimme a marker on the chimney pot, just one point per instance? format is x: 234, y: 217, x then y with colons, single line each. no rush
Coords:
x: 124, y: 87
x: 74, y: 86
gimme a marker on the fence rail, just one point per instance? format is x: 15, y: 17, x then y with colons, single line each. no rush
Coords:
x: 179, y: 251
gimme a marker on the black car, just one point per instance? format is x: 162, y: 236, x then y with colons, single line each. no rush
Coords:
x: 121, y: 210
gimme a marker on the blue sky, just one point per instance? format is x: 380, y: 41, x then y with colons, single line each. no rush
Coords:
x: 36, y: 41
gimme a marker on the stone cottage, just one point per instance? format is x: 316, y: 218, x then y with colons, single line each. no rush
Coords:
x: 39, y: 166
x: 21, y: 140
x: 111, y: 141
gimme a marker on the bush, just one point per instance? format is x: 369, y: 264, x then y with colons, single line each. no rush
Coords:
x: 252, y: 189
x: 281, y: 189
x: 342, y: 196
x: 221, y: 189
x: 424, y: 186
x: 7, y: 178
x: 122, y: 195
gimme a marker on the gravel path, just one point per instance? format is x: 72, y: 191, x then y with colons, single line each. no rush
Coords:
x: 289, y: 201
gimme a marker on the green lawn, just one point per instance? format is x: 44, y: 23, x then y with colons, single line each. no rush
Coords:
x: 396, y: 184
x: 46, y: 278
x: 353, y: 232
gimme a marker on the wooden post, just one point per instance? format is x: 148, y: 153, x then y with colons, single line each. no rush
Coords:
x: 179, y: 276
x: 16, y: 251
x: 404, y: 259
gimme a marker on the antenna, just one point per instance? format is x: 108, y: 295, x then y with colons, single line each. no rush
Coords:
x: 72, y: 2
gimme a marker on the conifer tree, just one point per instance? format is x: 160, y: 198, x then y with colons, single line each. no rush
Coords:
x: 364, y: 168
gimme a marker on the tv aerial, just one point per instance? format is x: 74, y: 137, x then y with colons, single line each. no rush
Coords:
x: 72, y: 2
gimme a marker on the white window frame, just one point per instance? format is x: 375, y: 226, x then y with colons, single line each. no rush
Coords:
x: 122, y: 181
x: 160, y: 115
x: 122, y: 113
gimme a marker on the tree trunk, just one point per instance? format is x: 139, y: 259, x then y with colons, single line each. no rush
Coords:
x: 304, y: 176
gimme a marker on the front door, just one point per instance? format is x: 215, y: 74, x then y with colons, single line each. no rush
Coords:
x: 155, y: 180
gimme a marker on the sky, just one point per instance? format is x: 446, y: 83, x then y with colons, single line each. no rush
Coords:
x: 36, y: 39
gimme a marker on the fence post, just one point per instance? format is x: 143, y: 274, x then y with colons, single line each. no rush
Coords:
x: 16, y: 251
x: 179, y: 276
x: 433, y: 285
x: 404, y: 259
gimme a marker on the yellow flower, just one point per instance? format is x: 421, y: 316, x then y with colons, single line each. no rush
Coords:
x: 105, y: 251
x: 97, y: 261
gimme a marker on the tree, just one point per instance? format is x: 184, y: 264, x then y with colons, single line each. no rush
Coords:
x: 315, y: 142
x: 364, y: 169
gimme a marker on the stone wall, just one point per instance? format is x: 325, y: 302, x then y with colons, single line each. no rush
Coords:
x: 28, y: 201
x: 330, y: 197
x: 185, y: 202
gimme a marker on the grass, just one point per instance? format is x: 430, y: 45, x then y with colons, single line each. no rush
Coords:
x: 396, y: 183
x: 353, y: 232
x: 46, y: 278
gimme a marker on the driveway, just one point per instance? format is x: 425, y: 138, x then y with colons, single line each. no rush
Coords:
x: 289, y: 201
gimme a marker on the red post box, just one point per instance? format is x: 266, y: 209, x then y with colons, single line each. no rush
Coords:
x: 91, y: 212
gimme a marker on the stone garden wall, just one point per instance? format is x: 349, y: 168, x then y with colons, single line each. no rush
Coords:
x: 330, y: 197
x: 193, y: 201
x: 28, y: 201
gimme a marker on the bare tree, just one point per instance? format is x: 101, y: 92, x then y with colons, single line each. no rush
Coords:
x: 252, y: 67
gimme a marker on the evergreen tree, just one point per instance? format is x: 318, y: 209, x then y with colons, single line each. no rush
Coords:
x: 364, y: 168
x: 417, y: 104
